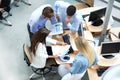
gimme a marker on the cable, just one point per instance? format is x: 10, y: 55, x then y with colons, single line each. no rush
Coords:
x: 114, y: 35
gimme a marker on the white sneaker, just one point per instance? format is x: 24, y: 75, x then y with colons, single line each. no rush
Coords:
x: 6, y: 22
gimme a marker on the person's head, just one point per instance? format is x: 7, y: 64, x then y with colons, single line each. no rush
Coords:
x: 39, y: 37
x: 85, y: 49
x: 71, y: 10
x: 48, y: 12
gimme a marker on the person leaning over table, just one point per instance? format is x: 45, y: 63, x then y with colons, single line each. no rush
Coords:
x: 39, y: 18
x: 86, y: 57
x: 68, y: 15
x: 38, y: 47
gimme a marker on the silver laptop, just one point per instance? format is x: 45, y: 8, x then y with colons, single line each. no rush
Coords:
x: 110, y: 48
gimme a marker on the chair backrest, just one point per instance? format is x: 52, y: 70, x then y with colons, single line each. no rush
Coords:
x: 27, y: 54
x: 84, y: 4
x: 90, y: 2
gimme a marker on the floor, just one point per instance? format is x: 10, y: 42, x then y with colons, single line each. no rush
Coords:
x: 12, y: 65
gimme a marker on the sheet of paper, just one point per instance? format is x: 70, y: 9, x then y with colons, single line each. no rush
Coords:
x: 56, y: 29
x: 60, y: 50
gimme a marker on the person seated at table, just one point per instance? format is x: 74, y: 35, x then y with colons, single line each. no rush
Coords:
x: 39, y: 18
x: 38, y: 47
x: 68, y: 15
x: 86, y: 57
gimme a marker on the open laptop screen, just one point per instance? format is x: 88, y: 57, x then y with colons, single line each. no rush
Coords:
x: 110, y: 48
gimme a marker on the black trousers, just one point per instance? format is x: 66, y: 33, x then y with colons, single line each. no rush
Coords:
x: 30, y: 33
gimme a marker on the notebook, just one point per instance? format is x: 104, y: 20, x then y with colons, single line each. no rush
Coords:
x: 56, y: 29
x: 110, y: 48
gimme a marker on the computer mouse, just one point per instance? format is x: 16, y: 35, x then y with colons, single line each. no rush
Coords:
x: 66, y: 57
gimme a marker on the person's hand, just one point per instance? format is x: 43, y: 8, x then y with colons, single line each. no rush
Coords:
x: 58, y: 17
x: 67, y: 20
x: 67, y: 66
x: 95, y: 67
x: 55, y: 56
x: 61, y: 43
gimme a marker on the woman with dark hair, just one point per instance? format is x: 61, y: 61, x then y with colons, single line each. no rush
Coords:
x: 38, y: 47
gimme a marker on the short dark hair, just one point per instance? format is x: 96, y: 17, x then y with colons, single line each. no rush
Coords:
x: 48, y: 12
x: 71, y: 10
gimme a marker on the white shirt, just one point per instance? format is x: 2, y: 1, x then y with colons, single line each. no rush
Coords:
x: 76, y: 19
x: 39, y: 60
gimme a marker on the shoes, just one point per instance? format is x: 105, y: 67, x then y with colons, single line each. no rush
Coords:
x: 6, y: 22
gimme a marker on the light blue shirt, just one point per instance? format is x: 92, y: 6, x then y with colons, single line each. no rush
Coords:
x: 76, y: 19
x: 37, y: 21
x: 80, y: 64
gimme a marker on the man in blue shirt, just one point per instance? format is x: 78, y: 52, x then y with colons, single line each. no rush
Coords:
x: 68, y: 15
x: 39, y: 17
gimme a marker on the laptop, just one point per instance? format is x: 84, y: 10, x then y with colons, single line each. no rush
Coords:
x: 110, y: 49
x: 56, y: 29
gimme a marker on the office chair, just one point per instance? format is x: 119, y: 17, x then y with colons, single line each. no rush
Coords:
x: 84, y: 4
x: 28, y: 59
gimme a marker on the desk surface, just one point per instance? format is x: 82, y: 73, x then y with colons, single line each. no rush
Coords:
x: 107, y: 62
x: 90, y: 27
x: 87, y: 35
x: 85, y: 11
x: 114, y: 31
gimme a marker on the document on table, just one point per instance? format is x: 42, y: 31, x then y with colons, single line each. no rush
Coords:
x: 56, y: 29
x: 60, y: 50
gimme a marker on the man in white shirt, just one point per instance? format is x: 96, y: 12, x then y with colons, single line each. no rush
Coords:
x: 68, y: 15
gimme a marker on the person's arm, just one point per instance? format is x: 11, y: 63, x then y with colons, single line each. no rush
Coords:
x: 53, y: 41
x: 53, y: 20
x: 94, y: 65
x: 75, y: 25
x: 57, y: 12
x: 96, y: 59
x: 54, y: 56
x: 75, y: 67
